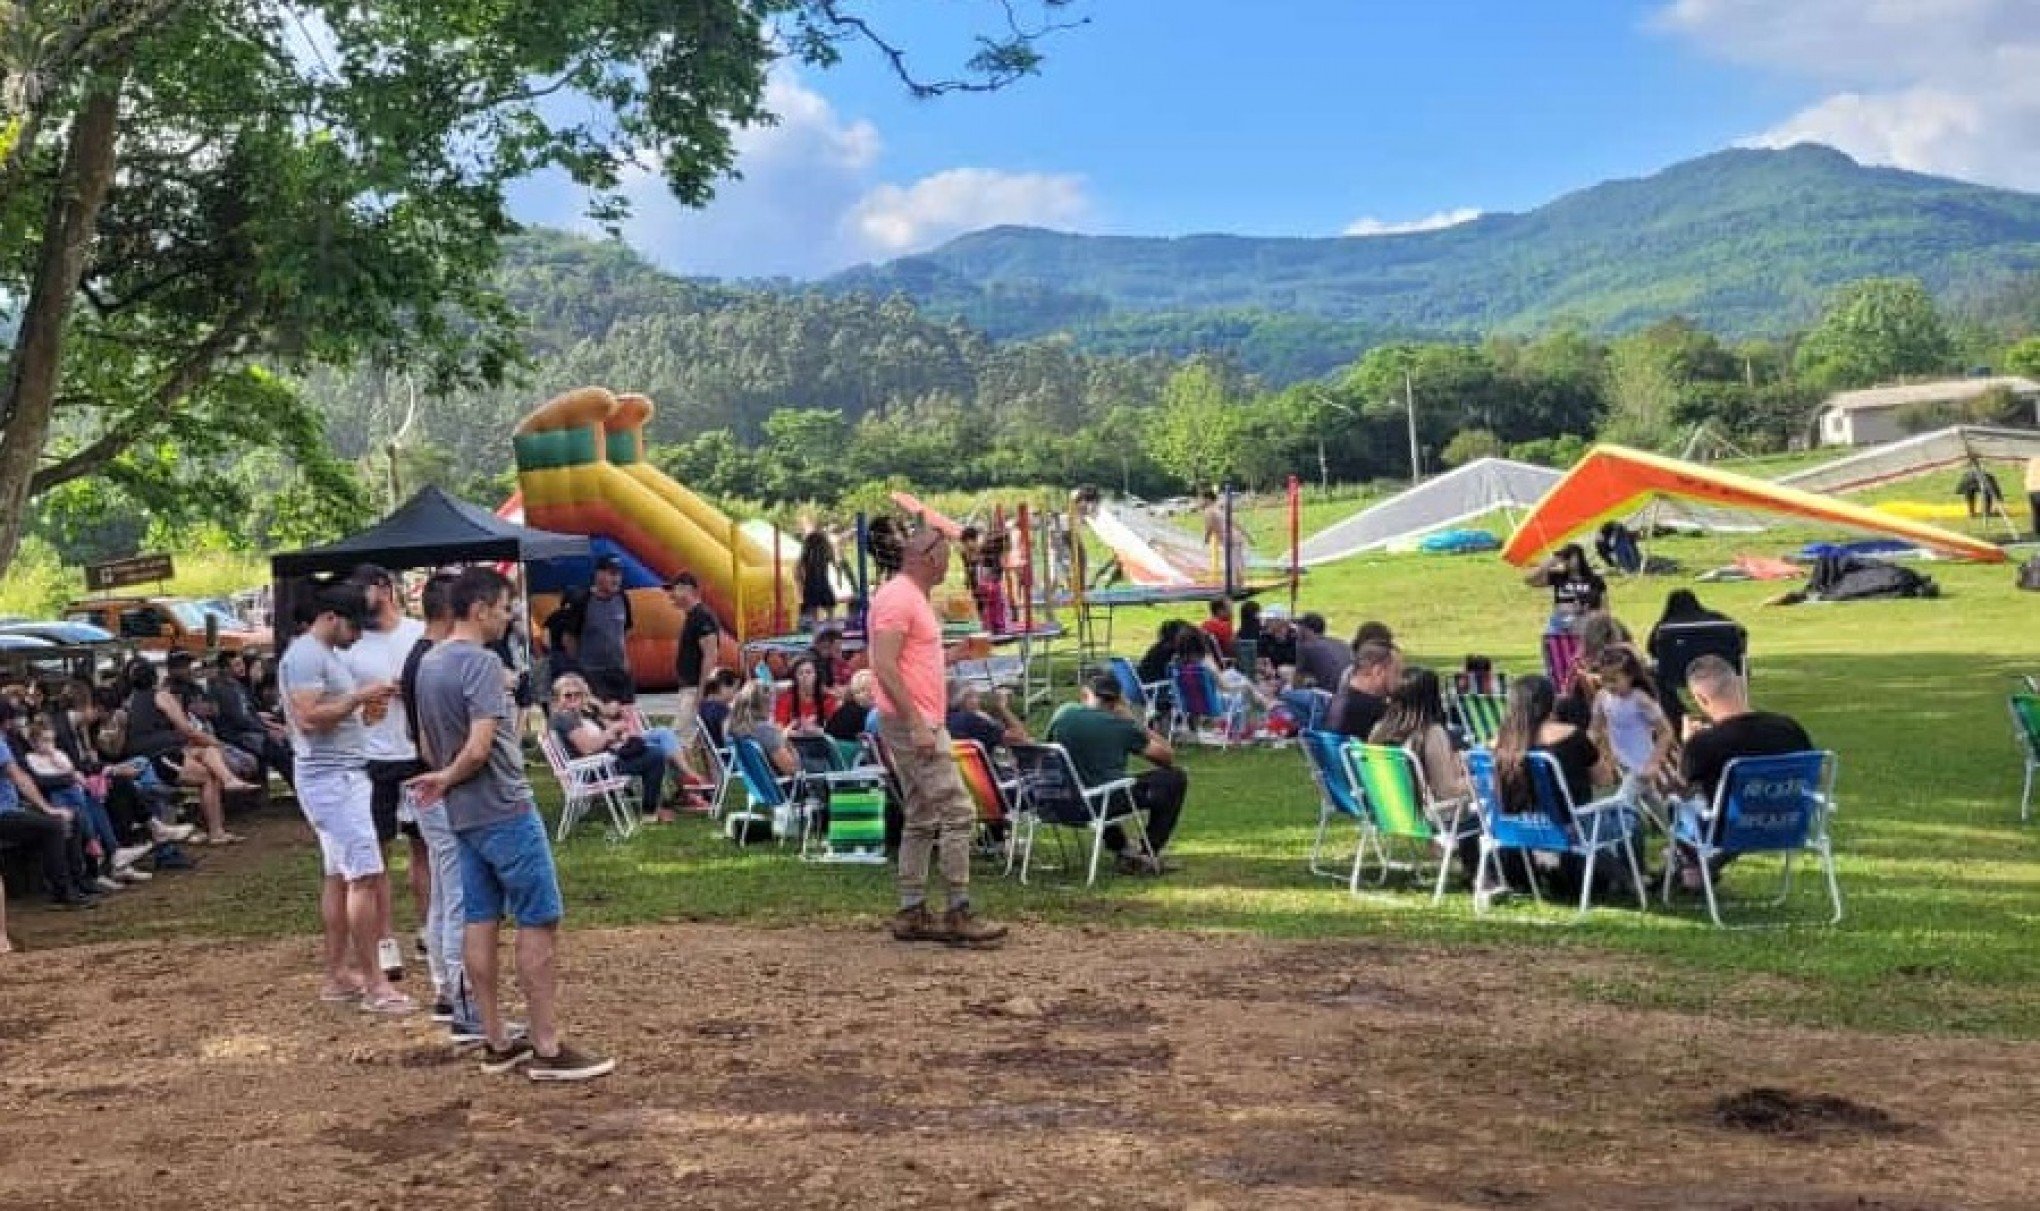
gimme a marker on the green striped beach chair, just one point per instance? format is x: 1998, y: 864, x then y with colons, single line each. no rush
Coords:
x: 1401, y: 808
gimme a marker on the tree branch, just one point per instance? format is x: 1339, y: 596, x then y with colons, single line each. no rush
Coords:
x: 137, y: 424
x: 1000, y: 62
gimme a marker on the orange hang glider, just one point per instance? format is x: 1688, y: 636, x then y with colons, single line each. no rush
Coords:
x: 1613, y: 482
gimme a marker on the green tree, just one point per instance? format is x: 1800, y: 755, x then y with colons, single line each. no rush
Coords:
x: 2023, y: 357
x: 1470, y: 444
x: 1873, y: 331
x: 1197, y: 430
x: 188, y: 189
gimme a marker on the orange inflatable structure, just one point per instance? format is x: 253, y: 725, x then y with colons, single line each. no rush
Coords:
x: 1613, y: 482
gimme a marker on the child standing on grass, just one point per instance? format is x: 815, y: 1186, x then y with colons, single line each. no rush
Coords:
x: 1630, y: 726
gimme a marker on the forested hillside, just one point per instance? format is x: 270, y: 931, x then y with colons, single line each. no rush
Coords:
x: 1744, y: 242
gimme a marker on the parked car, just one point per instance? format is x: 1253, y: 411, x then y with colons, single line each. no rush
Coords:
x: 22, y: 643
x: 163, y: 624
x: 74, y: 634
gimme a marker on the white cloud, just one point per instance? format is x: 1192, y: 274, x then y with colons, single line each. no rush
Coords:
x: 1941, y: 86
x: 1430, y: 222
x: 894, y: 220
x: 811, y: 200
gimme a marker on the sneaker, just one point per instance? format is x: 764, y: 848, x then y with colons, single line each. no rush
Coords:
x: 917, y: 924
x: 442, y: 1011
x: 108, y: 883
x: 129, y: 855
x: 469, y: 1034
x: 170, y: 832
x: 496, y: 1062
x: 965, y: 929
x: 73, y: 900
x: 132, y: 874
x: 391, y: 957
x: 568, y: 1065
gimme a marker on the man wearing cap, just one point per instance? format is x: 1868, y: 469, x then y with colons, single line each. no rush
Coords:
x: 906, y: 656
x: 1100, y: 734
x: 322, y: 702
x: 605, y: 621
x: 377, y: 655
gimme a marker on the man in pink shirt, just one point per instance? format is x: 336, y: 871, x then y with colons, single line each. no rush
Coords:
x: 906, y: 656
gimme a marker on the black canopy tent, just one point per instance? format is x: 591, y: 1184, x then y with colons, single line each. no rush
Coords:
x: 428, y: 530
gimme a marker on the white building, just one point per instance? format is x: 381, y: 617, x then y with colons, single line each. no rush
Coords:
x: 1879, y: 414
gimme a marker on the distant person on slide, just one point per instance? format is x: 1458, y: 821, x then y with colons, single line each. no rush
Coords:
x: 1222, y: 532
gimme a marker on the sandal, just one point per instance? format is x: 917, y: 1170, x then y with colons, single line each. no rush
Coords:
x: 226, y: 839
x: 339, y: 996
x: 390, y: 1004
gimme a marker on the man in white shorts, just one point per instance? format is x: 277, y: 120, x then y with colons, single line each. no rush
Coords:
x: 322, y: 704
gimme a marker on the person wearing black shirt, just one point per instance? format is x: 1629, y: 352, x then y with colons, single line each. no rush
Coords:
x: 1576, y: 589
x: 1154, y: 663
x: 700, y: 653
x: 1364, y: 699
x: 1531, y: 726
x: 1733, y: 730
x: 1278, y: 638
x: 847, y: 722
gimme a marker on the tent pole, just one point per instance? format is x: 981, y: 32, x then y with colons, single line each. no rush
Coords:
x: 1295, y: 541
x: 779, y: 626
x: 737, y: 590
x: 1225, y: 542
x: 863, y: 581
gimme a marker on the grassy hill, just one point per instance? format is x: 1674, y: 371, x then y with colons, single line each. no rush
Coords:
x: 1747, y: 242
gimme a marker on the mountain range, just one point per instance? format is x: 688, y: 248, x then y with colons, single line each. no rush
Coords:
x: 1746, y: 242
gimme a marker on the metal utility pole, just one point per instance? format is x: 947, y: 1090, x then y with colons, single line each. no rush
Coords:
x: 1410, y: 402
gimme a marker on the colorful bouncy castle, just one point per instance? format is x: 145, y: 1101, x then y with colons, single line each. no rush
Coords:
x: 581, y: 470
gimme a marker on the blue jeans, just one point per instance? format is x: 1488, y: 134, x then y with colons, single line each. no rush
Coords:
x: 445, y: 918
x: 506, y: 869
x: 93, y: 822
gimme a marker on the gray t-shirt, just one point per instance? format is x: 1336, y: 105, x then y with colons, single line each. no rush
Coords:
x: 459, y: 682
x: 311, y: 666
x: 602, y: 633
x: 1323, y: 660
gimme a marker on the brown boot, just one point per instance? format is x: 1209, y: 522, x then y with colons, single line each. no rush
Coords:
x: 965, y: 929
x: 917, y: 924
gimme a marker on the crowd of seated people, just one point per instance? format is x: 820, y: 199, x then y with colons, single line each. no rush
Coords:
x: 91, y: 776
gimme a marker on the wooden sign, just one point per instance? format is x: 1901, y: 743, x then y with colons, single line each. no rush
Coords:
x: 119, y: 573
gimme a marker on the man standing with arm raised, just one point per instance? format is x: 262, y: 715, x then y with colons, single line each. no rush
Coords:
x: 906, y: 656
x: 467, y: 723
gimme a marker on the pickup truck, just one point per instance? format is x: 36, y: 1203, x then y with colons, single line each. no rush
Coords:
x: 166, y: 624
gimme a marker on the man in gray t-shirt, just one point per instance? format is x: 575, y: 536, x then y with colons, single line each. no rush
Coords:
x: 467, y: 733
x: 605, y: 622
x: 322, y: 703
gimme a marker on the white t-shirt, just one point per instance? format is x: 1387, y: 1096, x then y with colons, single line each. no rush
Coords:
x: 379, y: 656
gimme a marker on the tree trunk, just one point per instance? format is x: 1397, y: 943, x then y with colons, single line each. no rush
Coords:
x: 30, y: 394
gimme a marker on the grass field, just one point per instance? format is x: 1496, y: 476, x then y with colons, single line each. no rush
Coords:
x: 1942, y: 882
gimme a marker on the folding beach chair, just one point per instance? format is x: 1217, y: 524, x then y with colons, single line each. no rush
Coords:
x: 1679, y: 644
x: 1561, y: 656
x: 2026, y: 723
x: 1603, y: 826
x: 1478, y: 717
x: 1143, y: 696
x: 853, y: 798
x: 1764, y: 805
x: 586, y: 781
x: 1198, y: 696
x: 782, y: 798
x: 992, y: 794
x: 1400, y: 806
x: 1052, y: 792
x: 721, y: 765
x: 1338, y: 795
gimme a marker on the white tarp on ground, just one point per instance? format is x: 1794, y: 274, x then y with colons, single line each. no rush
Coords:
x: 1922, y: 455
x: 1454, y: 498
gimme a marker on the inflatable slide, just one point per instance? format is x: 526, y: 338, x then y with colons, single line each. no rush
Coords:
x: 581, y: 470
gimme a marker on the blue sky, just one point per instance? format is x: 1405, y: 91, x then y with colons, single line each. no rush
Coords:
x: 1317, y: 117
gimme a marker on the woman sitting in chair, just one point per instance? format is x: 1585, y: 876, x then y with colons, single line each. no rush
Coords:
x: 1531, y: 726
x: 1416, y: 721
x: 805, y: 706
x: 579, y: 723
x: 749, y: 720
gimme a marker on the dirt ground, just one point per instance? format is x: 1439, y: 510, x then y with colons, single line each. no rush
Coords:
x: 820, y: 1068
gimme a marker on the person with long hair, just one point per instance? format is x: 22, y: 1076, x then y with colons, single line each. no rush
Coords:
x: 1415, y: 720
x: 750, y: 718
x: 887, y: 545
x: 987, y: 575
x: 815, y: 568
x: 1576, y: 589
x: 1682, y: 609
x: 805, y: 706
x: 181, y: 752
x: 1530, y: 726
x: 582, y: 730
x: 1628, y: 724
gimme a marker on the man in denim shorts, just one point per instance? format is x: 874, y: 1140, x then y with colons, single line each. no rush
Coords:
x: 467, y: 732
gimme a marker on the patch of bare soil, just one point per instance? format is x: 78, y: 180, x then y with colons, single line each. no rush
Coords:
x: 817, y: 1068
